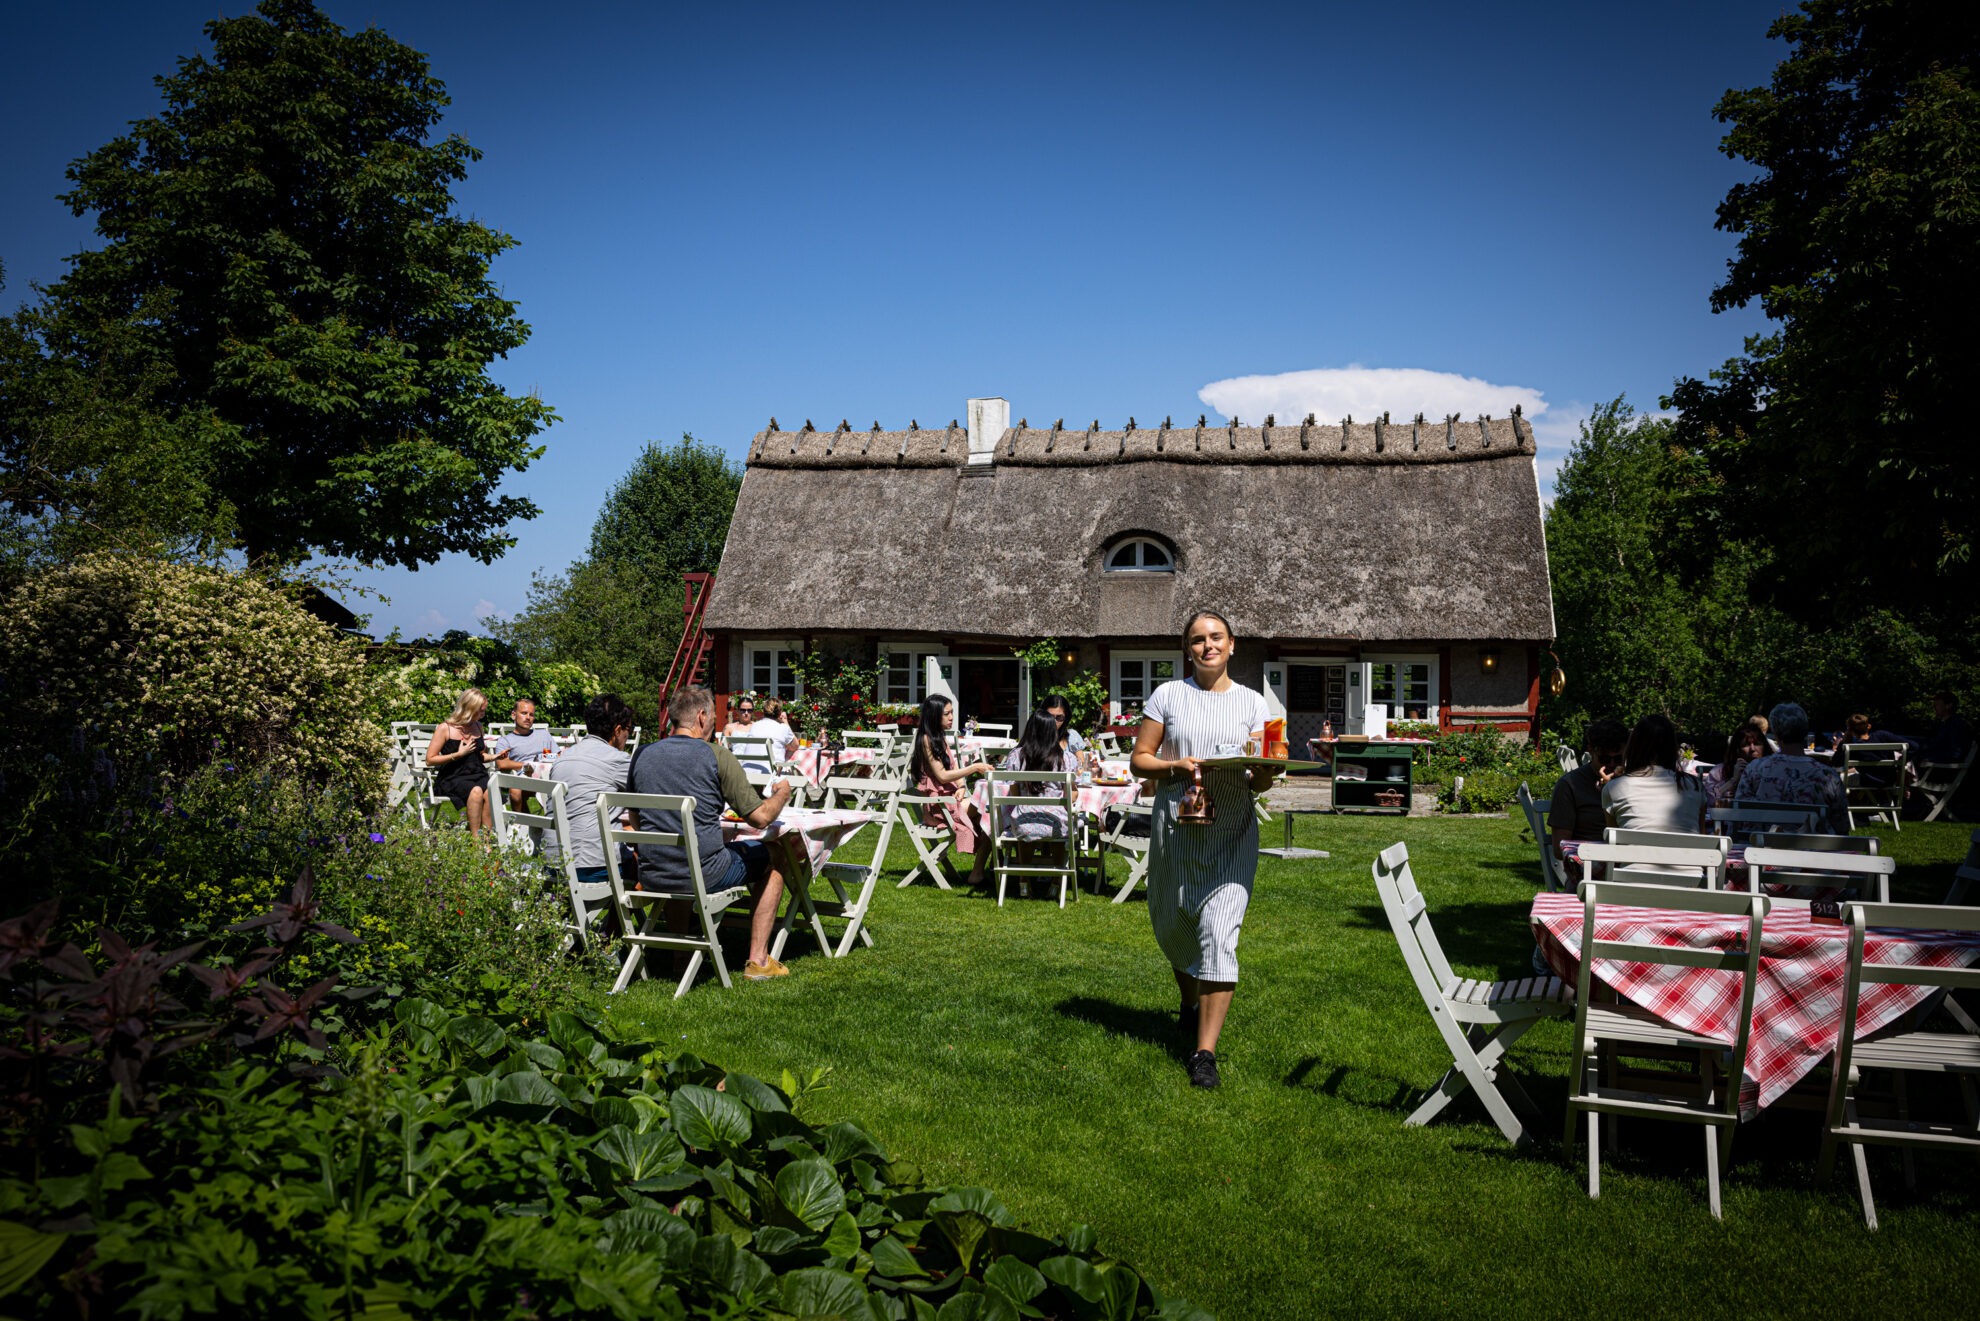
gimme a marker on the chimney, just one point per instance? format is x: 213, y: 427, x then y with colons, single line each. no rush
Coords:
x: 988, y: 420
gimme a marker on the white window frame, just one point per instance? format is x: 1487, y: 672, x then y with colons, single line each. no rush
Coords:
x: 783, y: 682
x: 919, y: 652
x: 1433, y: 713
x: 1107, y: 561
x: 1115, y: 700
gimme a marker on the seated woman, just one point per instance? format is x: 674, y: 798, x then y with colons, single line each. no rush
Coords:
x: 936, y: 775
x: 1057, y: 707
x: 1794, y: 779
x: 1039, y: 750
x: 456, y: 750
x: 741, y: 715
x: 1651, y: 793
x: 1747, y: 745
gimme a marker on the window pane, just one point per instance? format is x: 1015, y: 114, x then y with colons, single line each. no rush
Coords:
x: 1153, y: 556
x: 1161, y: 670
x: 1122, y: 558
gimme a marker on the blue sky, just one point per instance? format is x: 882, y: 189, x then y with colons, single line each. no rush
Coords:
x: 1096, y: 211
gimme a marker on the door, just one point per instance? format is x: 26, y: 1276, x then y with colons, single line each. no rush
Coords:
x: 1315, y: 694
x: 987, y: 688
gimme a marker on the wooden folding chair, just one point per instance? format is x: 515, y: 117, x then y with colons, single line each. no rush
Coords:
x: 588, y: 899
x: 640, y: 910
x: 1873, y: 781
x: 1939, y: 781
x: 990, y: 729
x: 1479, y: 1021
x: 1954, y: 1053
x: 1689, y: 867
x: 1566, y: 758
x: 1807, y: 843
x: 1745, y: 818
x: 1553, y: 875
x: 1132, y: 847
x: 1822, y: 870
x: 1603, y: 1033
x: 931, y: 842
x: 1052, y: 789
x: 1717, y: 845
x: 840, y: 872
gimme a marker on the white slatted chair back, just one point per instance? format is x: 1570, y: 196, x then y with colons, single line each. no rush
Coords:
x: 1649, y: 864
x: 1567, y: 758
x: 1478, y: 1020
x: 880, y: 740
x: 1132, y: 846
x: 1624, y: 1029
x: 756, y: 754
x: 1825, y: 869
x: 497, y: 728
x: 1873, y: 777
x: 587, y: 899
x: 1553, y: 874
x: 1017, y: 789
x: 1939, y: 782
x: 639, y: 910
x: 1816, y: 843
x: 1663, y: 839
x: 1744, y: 818
x: 1955, y: 1053
x: 992, y: 729
x: 632, y: 741
x: 1108, y: 746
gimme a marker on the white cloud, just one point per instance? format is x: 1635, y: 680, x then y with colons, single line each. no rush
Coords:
x: 485, y: 610
x: 430, y: 623
x: 1331, y: 393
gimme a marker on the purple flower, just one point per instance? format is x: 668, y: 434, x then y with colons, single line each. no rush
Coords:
x: 377, y: 838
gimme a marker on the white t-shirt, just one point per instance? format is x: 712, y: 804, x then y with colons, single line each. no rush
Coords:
x: 1194, y: 721
x: 1659, y: 800
x: 777, y: 732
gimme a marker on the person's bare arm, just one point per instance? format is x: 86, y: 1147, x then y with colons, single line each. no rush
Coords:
x: 951, y: 774
x: 1147, y: 761
x: 771, y: 807
x: 434, y: 757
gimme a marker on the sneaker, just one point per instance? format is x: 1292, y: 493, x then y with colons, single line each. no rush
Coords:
x: 763, y: 972
x: 1203, y: 1069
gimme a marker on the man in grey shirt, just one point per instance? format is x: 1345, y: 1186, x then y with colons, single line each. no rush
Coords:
x: 524, y: 746
x: 595, y: 765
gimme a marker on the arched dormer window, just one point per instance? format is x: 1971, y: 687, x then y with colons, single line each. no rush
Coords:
x: 1139, y: 555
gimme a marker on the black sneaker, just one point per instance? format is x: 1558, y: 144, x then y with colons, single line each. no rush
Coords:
x: 1203, y: 1069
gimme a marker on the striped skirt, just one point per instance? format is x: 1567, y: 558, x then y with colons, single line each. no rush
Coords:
x: 1199, y: 879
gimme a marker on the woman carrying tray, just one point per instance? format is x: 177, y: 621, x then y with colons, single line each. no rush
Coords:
x: 1200, y: 874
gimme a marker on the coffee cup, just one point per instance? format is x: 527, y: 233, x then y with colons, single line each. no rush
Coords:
x: 1230, y: 749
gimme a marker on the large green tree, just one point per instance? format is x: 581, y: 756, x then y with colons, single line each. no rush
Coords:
x: 282, y: 261
x: 670, y: 512
x: 1860, y: 237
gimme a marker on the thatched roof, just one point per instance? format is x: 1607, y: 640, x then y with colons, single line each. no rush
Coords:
x: 1394, y: 532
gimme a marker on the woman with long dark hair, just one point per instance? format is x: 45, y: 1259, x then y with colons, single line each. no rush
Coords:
x: 1200, y: 875
x: 936, y: 775
x: 1747, y: 745
x: 1039, y: 750
x: 1651, y: 793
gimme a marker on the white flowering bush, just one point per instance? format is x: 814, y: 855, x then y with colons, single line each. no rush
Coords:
x: 420, y: 680
x: 165, y: 669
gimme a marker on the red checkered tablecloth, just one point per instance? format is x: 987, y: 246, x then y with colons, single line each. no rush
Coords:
x: 820, y: 829
x: 1089, y: 799
x: 1797, y: 1005
x: 806, y: 760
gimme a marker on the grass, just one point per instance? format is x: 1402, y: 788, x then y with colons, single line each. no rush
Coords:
x: 1032, y: 1051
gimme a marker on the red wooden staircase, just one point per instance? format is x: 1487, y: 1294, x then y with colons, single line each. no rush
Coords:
x: 690, y: 663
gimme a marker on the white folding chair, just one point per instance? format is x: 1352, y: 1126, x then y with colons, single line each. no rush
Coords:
x: 588, y: 899
x: 632, y: 742
x: 753, y: 752
x: 1108, y: 746
x: 931, y: 841
x: 841, y: 872
x: 1032, y: 789
x: 1873, y: 781
x: 1745, y: 818
x: 1567, y: 758
x: 1132, y: 847
x: 1479, y: 1021
x: 880, y: 740
x: 1939, y: 781
x: 1823, y: 870
x: 639, y: 910
x: 1649, y: 864
x: 1607, y: 1032
x: 1718, y: 845
x: 1954, y: 1053
x: 1816, y: 843
x: 1553, y: 875
x: 987, y: 729
x: 497, y: 728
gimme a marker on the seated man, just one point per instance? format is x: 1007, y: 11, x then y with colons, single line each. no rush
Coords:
x: 1793, y: 779
x: 525, y: 745
x: 1952, y: 738
x: 1577, y: 808
x: 689, y: 762
x: 596, y: 764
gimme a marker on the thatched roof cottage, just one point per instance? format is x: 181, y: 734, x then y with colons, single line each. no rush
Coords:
x: 1414, y: 548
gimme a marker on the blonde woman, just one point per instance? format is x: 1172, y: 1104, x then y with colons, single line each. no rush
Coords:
x: 457, y: 752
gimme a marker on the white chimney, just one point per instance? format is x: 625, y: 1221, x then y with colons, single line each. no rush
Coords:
x: 988, y: 420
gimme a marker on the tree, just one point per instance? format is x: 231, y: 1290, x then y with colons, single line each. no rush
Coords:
x: 617, y: 622
x: 1861, y: 238
x: 670, y: 513
x: 282, y: 261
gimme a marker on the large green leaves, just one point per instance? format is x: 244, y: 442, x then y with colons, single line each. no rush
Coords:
x: 965, y: 1216
x: 820, y: 1292
x: 705, y: 1118
x: 23, y: 1252
x: 809, y: 1190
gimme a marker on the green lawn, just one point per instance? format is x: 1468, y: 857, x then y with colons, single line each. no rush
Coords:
x: 1033, y: 1051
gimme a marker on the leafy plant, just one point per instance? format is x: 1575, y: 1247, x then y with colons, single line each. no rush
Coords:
x: 838, y: 694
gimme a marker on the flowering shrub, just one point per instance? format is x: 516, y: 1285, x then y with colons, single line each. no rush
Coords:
x: 838, y: 694
x: 1491, y: 766
x: 164, y: 668
x: 420, y: 680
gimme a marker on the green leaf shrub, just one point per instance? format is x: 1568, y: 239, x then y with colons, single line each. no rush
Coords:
x: 1085, y: 692
x: 1491, y: 767
x: 420, y: 680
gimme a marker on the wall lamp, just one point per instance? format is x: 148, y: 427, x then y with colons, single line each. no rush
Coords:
x: 1488, y: 661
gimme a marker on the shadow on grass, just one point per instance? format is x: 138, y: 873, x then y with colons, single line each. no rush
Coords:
x: 1155, y: 1026
x: 1478, y: 934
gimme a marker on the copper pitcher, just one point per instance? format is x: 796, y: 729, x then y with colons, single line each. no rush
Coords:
x: 1197, y: 809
